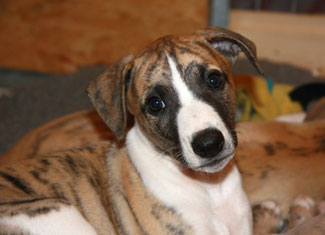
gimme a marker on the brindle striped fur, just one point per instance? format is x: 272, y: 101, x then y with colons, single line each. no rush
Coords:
x: 252, y: 157
x: 112, y: 194
x: 44, y: 183
x: 99, y: 180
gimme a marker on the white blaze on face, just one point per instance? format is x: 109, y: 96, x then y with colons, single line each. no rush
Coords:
x: 195, y: 115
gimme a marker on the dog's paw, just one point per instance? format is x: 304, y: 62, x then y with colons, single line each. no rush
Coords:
x: 267, y: 218
x: 321, y: 207
x: 302, y: 207
x: 303, y: 201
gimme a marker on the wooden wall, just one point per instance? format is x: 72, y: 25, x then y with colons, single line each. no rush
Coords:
x: 59, y: 35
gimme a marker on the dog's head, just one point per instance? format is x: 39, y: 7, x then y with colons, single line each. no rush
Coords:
x: 181, y: 94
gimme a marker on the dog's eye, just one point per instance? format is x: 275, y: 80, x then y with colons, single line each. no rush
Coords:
x: 155, y: 104
x: 216, y: 80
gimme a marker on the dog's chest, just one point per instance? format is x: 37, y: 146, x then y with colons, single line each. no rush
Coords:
x: 208, y: 209
x: 217, y: 206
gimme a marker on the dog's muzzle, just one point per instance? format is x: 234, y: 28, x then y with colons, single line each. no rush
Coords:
x: 208, y: 143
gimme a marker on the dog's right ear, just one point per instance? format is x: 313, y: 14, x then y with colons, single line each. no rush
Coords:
x: 108, y: 94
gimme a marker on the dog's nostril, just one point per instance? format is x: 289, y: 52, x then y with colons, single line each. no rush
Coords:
x: 208, y: 143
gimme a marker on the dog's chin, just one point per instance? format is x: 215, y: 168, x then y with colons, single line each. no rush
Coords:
x: 214, y: 165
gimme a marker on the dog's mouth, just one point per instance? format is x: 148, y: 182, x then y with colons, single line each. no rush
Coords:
x: 215, y: 164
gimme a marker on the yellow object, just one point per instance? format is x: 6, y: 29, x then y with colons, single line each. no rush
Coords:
x: 259, y: 99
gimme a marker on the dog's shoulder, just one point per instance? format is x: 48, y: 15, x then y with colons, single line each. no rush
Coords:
x: 132, y: 206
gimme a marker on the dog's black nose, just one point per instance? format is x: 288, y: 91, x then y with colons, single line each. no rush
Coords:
x: 208, y: 143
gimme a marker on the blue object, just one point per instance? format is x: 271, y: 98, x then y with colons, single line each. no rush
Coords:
x: 270, y: 83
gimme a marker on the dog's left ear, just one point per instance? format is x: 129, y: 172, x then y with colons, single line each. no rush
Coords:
x: 230, y: 44
x: 108, y: 95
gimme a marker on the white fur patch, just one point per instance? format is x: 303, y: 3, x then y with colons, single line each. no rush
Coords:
x: 65, y: 221
x: 219, y: 206
x: 272, y: 206
x: 196, y: 115
x: 292, y: 117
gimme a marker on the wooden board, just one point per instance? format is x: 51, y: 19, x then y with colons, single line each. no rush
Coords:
x: 59, y: 36
x: 285, y: 38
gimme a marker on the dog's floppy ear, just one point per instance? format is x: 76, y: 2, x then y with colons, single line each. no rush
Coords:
x: 230, y: 44
x: 108, y: 94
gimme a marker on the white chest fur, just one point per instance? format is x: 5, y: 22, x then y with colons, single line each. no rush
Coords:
x: 214, y: 204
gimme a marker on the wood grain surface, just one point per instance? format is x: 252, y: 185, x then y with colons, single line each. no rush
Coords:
x: 60, y: 35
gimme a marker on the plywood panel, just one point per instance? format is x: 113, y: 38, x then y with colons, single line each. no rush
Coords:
x: 60, y: 35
